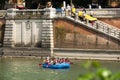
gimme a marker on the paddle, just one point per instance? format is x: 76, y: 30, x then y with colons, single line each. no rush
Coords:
x: 40, y: 64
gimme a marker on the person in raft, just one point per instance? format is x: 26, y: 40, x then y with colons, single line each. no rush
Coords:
x: 56, y: 60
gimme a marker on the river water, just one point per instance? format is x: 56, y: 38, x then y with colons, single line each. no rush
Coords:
x: 28, y: 69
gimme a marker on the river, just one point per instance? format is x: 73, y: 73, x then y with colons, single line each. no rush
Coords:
x: 28, y: 69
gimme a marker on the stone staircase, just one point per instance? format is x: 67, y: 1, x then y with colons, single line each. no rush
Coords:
x: 100, y: 27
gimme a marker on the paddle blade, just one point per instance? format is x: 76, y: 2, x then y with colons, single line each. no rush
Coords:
x: 40, y: 64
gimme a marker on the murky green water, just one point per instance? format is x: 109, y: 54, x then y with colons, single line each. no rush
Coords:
x: 28, y: 69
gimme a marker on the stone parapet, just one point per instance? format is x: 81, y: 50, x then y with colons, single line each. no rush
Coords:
x: 104, y: 12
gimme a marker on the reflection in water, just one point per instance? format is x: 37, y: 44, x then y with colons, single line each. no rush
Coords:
x: 28, y: 69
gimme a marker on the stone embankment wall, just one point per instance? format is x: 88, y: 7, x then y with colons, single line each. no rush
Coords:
x: 71, y: 35
x: 76, y: 36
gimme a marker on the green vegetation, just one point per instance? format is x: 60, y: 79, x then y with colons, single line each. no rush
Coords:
x: 100, y: 73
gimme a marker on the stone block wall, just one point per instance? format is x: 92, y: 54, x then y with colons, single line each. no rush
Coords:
x: 77, y: 36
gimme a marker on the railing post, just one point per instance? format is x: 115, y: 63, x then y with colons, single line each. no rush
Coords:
x: 97, y: 25
x: 76, y: 16
x: 66, y: 12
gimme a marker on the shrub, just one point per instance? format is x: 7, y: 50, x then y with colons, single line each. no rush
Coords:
x: 100, y: 73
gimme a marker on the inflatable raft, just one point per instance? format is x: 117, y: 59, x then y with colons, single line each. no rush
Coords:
x: 57, y: 65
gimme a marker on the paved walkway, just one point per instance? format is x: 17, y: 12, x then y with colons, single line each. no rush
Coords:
x: 73, y: 54
x: 90, y: 56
